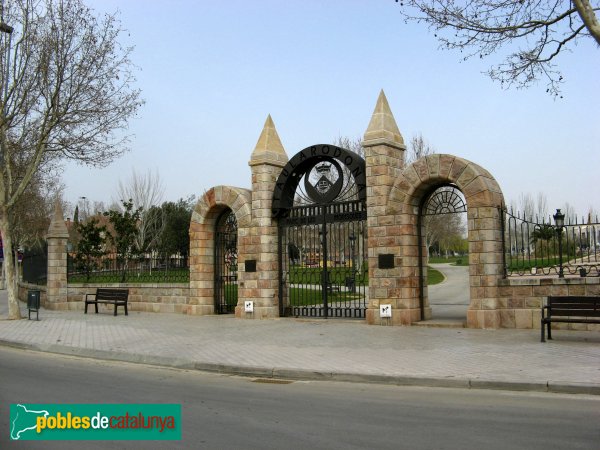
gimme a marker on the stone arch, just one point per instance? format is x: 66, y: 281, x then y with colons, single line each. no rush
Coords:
x: 483, y: 197
x: 202, y: 245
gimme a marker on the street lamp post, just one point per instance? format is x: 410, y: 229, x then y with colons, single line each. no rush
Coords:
x: 5, y: 28
x: 84, y: 213
x: 559, y: 220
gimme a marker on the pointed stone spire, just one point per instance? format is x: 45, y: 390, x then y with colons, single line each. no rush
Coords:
x: 57, y: 228
x: 269, y: 149
x: 383, y: 128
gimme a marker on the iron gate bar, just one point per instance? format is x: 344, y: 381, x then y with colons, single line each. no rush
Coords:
x: 226, y: 263
x: 324, y: 274
x: 320, y: 201
x: 323, y: 247
x: 421, y: 271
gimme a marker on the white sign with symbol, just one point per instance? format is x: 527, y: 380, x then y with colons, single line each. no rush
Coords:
x: 385, y: 310
x: 249, y: 307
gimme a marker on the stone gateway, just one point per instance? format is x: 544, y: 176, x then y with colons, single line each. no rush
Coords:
x: 332, y: 234
x: 328, y: 233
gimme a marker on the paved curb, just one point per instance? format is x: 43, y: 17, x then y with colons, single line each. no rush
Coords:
x: 311, y: 375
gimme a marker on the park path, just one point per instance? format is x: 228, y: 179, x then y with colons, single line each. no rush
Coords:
x: 450, y: 299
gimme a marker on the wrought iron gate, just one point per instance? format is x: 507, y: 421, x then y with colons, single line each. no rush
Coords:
x: 322, y: 236
x: 226, y: 256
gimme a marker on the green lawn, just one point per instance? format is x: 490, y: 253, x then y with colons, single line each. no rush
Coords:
x: 527, y: 264
x: 434, y: 276
x: 231, y: 294
x: 307, y: 275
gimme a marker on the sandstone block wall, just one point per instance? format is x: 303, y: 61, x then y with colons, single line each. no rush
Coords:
x: 520, y: 299
x: 163, y: 298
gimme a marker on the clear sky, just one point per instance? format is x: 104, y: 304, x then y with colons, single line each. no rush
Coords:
x: 211, y: 72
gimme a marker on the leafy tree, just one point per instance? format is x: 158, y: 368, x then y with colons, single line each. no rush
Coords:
x: 91, y: 245
x: 533, y: 32
x: 174, y: 237
x: 124, y: 224
x: 543, y: 232
x: 543, y: 239
x: 445, y: 230
x: 65, y: 89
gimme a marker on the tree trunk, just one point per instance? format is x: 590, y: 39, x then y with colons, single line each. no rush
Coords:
x: 17, y: 275
x: 2, y: 278
x: 14, y: 312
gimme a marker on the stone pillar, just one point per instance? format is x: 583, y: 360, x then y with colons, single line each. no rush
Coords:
x: 486, y: 261
x: 58, y: 236
x: 384, y: 154
x: 259, y: 241
x: 202, y: 266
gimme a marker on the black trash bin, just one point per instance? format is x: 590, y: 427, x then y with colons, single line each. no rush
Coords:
x: 33, y: 303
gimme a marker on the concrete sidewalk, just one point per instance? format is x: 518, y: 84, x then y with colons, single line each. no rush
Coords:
x: 320, y: 349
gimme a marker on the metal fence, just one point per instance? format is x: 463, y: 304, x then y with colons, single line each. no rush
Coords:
x: 35, y: 266
x: 139, y: 269
x: 535, y: 248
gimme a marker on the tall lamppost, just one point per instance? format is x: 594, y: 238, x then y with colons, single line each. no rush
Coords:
x: 5, y: 28
x: 352, y: 240
x: 84, y: 207
x: 559, y: 221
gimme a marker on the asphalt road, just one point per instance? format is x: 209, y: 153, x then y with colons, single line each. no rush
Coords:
x: 224, y: 412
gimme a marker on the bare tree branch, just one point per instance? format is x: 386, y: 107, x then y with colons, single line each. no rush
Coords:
x: 66, y: 91
x: 532, y: 32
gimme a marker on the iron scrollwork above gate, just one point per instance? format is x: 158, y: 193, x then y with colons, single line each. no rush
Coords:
x: 319, y: 175
x: 445, y: 200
